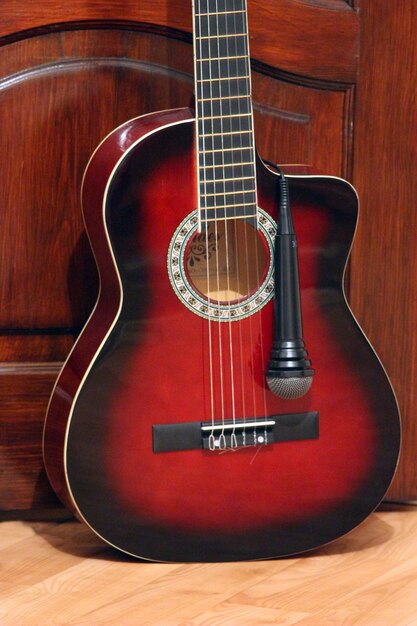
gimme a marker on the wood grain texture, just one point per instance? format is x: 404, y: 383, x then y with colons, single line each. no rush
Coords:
x: 384, y: 296
x: 45, y: 100
x: 24, y: 393
x: 335, y: 28
x: 70, y: 72
x: 295, y: 123
x: 48, y: 281
x: 61, y: 574
x: 62, y: 90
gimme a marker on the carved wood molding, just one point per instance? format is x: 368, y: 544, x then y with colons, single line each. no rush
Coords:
x: 316, y: 39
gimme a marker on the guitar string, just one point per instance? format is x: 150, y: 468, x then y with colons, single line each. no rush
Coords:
x: 215, y: 39
x: 235, y: 221
x: 250, y: 321
x: 260, y: 313
x: 226, y: 231
x: 239, y: 97
x: 201, y: 153
x: 242, y: 370
x: 219, y: 325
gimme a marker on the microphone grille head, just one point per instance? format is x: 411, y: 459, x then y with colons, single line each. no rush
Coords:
x: 289, y: 388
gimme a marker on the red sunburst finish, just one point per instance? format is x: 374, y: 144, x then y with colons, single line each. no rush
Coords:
x: 143, y: 359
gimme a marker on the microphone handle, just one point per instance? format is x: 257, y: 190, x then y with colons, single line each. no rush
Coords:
x: 288, y: 320
x: 288, y: 354
x: 289, y: 374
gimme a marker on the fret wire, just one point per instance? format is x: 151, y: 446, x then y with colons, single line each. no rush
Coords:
x: 226, y: 150
x: 226, y: 206
x: 218, y: 117
x: 228, y: 180
x: 227, y: 193
x: 239, y: 56
x: 222, y: 98
x: 232, y: 217
x: 217, y: 13
x: 221, y: 36
x: 207, y: 80
x: 229, y: 165
x: 232, y: 132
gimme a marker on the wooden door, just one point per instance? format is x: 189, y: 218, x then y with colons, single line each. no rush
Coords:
x: 69, y: 73
x: 384, y: 259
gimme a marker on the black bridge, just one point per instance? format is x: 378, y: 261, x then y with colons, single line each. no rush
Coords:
x: 232, y: 434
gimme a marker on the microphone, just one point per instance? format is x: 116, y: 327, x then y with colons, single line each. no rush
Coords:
x: 289, y: 374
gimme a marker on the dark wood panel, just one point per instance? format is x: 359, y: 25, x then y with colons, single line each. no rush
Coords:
x: 51, y: 347
x: 61, y: 93
x: 316, y: 39
x: 290, y: 127
x: 301, y: 124
x: 24, y: 396
x: 67, y: 91
x: 384, y: 262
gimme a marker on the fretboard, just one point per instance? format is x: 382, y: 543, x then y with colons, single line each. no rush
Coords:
x: 225, y: 140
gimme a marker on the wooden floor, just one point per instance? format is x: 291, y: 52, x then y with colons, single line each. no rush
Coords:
x: 59, y: 573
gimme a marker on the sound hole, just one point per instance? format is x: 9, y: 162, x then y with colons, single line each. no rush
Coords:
x: 228, y: 261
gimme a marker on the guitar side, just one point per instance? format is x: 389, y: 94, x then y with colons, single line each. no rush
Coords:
x: 141, y: 362
x: 95, y: 181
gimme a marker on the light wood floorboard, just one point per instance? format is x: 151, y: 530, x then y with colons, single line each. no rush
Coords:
x: 55, y: 573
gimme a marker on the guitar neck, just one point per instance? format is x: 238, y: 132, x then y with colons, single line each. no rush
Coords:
x: 225, y: 138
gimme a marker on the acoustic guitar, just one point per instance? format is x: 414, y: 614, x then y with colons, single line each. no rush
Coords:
x: 221, y: 402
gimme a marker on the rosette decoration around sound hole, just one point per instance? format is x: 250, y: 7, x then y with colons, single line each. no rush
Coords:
x: 226, y: 272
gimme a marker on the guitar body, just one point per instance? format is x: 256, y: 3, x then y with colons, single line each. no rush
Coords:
x: 150, y: 362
